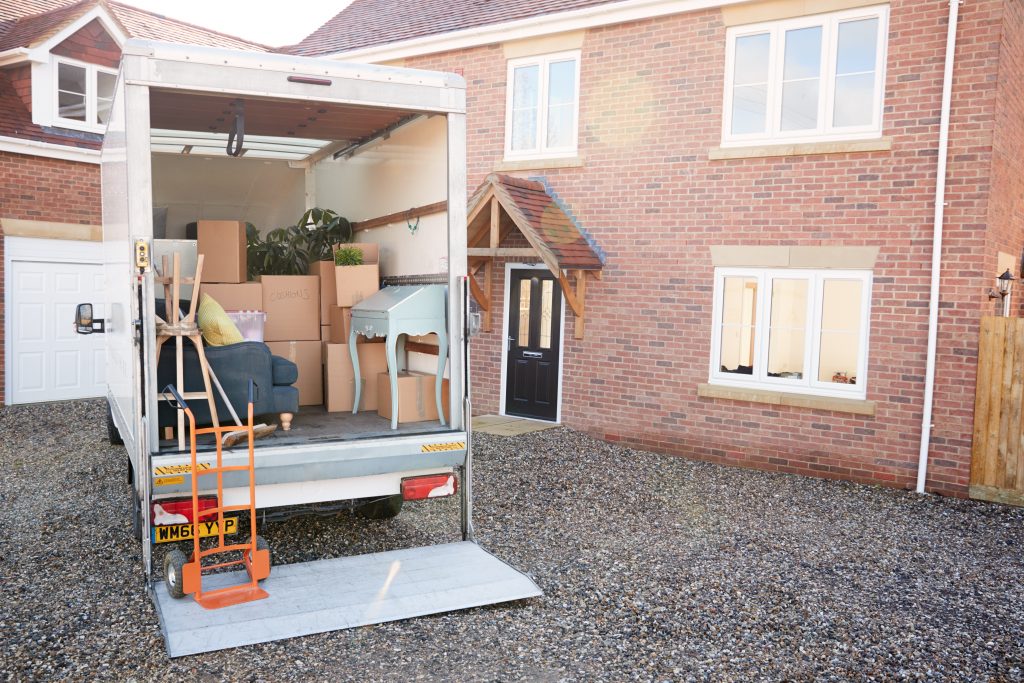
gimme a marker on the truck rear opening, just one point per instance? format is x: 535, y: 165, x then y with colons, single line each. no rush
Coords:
x: 221, y: 139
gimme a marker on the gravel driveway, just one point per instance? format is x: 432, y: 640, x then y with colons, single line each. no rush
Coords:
x: 653, y: 568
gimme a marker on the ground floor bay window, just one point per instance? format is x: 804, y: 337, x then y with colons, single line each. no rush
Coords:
x: 803, y: 331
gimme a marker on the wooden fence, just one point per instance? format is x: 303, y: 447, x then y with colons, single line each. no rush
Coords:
x: 997, y: 456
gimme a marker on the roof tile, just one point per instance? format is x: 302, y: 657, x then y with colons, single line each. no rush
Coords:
x: 366, y: 23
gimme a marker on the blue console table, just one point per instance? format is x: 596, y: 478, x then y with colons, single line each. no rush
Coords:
x: 393, y: 313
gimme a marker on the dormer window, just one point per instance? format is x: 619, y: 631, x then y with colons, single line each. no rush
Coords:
x: 84, y: 94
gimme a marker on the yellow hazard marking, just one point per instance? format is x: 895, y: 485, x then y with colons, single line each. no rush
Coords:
x: 183, y: 532
x: 179, y: 469
x: 168, y: 481
x: 438, y: 447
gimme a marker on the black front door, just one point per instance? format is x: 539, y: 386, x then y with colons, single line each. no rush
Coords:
x: 534, y: 341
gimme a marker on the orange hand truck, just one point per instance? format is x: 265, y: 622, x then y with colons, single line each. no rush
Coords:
x: 185, y: 575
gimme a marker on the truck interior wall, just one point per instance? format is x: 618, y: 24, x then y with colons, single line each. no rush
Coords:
x: 407, y: 170
x: 267, y: 193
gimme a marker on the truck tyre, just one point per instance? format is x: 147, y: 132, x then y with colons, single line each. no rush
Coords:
x: 174, y: 561
x: 112, y: 434
x: 381, y: 508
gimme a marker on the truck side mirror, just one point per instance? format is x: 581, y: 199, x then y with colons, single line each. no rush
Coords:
x: 84, y: 322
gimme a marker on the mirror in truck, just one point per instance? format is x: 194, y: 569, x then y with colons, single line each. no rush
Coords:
x: 84, y: 322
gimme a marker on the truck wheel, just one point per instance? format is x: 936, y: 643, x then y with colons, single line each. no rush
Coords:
x: 381, y: 508
x: 112, y: 434
x: 174, y: 561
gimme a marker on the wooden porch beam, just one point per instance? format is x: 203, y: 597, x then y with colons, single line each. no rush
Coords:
x: 581, y: 296
x: 509, y: 252
x: 478, y: 294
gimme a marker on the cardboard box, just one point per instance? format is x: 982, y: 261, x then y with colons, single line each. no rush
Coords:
x: 325, y: 333
x: 416, y: 399
x: 341, y: 327
x: 222, y: 245
x: 328, y: 290
x: 247, y: 296
x: 306, y: 355
x: 355, y: 283
x: 292, y: 303
x: 339, y: 376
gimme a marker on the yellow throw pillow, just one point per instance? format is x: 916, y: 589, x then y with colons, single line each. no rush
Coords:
x: 218, y: 330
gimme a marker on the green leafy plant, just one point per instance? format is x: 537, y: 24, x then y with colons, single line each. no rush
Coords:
x: 324, y: 228
x: 348, y: 256
x: 282, y: 252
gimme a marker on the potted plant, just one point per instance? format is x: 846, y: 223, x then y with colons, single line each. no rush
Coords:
x: 356, y: 273
x: 324, y: 228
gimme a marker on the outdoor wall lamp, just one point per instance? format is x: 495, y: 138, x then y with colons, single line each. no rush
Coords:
x: 1004, y: 283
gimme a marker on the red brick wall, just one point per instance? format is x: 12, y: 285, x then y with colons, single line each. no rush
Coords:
x: 91, y: 44
x: 21, y: 79
x: 1006, y: 206
x: 650, y: 111
x: 36, y: 188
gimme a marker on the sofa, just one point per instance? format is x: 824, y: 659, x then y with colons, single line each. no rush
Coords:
x: 234, y: 365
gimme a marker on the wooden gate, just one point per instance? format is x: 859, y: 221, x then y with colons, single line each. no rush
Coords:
x: 997, y: 455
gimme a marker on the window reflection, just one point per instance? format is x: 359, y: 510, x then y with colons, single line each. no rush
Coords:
x: 739, y: 315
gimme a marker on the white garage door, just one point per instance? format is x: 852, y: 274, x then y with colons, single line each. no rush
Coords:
x: 47, y: 360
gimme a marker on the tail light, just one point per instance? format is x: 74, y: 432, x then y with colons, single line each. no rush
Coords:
x: 172, y: 510
x: 429, y: 486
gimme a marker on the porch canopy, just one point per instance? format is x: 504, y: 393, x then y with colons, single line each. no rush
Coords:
x: 504, y: 204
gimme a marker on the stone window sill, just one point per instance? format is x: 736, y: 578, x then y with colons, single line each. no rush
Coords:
x: 836, y: 405
x: 883, y: 144
x: 538, y: 164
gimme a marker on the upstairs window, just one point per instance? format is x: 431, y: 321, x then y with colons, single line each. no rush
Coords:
x: 84, y: 94
x: 542, y: 106
x: 803, y: 331
x: 810, y: 79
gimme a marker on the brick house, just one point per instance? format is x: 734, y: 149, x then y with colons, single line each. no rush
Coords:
x: 58, y: 59
x: 762, y: 180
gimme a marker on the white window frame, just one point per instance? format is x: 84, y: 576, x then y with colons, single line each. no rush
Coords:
x: 809, y: 384
x: 825, y: 131
x: 91, y: 94
x: 542, y: 151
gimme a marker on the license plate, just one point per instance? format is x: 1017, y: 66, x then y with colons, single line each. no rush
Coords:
x: 166, y: 533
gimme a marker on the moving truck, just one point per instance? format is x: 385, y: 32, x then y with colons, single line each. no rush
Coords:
x: 210, y: 134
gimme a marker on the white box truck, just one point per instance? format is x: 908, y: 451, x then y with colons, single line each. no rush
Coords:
x: 206, y: 133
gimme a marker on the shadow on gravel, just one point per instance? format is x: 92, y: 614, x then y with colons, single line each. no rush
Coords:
x: 653, y: 567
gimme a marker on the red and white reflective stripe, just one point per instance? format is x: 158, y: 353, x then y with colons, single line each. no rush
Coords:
x: 429, y: 486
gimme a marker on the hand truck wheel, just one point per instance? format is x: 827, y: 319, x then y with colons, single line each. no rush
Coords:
x: 261, y: 544
x: 174, y: 561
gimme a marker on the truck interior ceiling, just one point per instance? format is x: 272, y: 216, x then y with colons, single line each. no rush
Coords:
x: 224, y: 164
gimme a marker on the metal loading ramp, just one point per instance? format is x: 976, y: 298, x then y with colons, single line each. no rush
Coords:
x: 329, y: 595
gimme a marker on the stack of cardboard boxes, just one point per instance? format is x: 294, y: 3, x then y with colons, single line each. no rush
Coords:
x: 351, y: 284
x: 308, y: 321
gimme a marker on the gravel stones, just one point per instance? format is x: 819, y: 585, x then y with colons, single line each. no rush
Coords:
x: 653, y: 568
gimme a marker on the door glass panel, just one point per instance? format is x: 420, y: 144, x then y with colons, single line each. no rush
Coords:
x: 787, y: 335
x: 523, y: 339
x: 739, y: 315
x: 546, y: 300
x: 525, y: 99
x: 840, y: 331
x: 750, y: 84
x: 800, y: 76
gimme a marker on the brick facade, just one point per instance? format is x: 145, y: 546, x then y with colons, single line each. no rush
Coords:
x: 651, y: 108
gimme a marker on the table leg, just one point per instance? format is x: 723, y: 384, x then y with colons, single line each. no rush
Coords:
x: 355, y: 370
x: 391, y: 341
x: 442, y: 358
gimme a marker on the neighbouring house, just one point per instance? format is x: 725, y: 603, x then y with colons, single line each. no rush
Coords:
x: 746, y: 197
x: 58, y: 64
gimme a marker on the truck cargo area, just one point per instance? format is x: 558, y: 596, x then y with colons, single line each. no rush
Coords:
x: 212, y: 155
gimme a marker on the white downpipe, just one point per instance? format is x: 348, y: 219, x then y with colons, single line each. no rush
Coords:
x: 940, y: 202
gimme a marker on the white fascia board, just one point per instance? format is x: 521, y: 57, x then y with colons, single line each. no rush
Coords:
x: 531, y: 27
x: 49, y: 150
x: 41, y: 52
x: 14, y: 56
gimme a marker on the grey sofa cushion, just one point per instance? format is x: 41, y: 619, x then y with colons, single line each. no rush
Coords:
x: 285, y: 371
